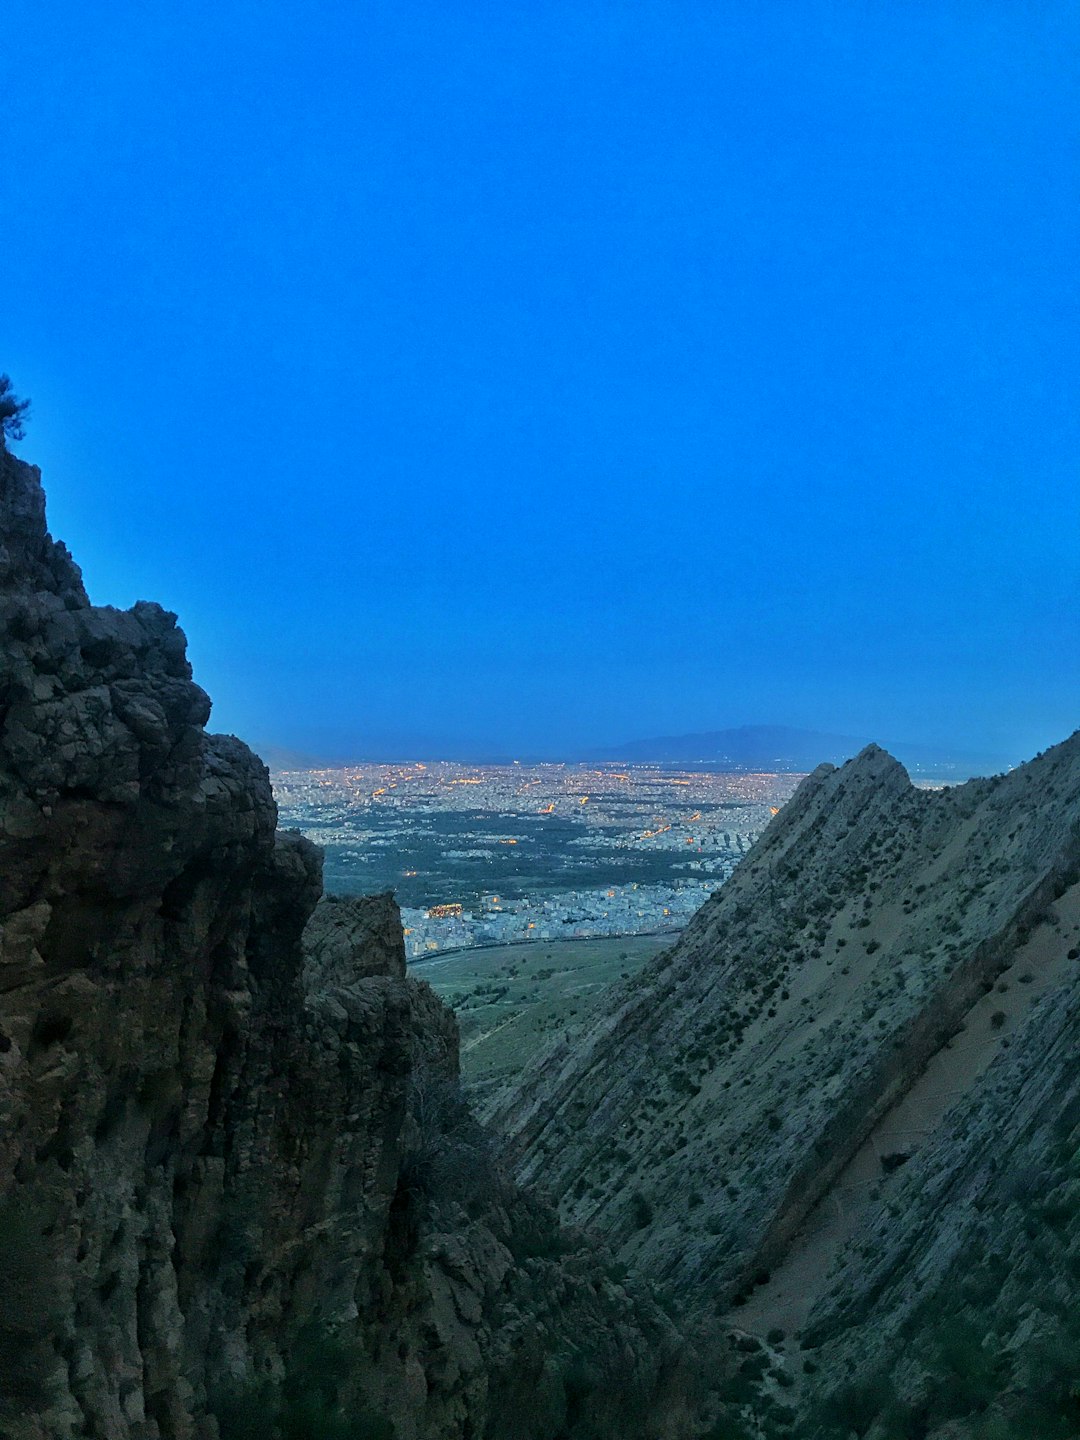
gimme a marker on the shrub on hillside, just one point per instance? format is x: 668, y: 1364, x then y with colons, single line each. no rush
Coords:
x: 13, y: 412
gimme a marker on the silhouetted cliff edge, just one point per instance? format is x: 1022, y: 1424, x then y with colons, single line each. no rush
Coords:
x: 239, y: 1192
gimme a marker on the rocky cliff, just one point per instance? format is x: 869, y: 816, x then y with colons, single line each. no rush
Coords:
x: 857, y: 1055
x: 239, y: 1192
x: 835, y: 1128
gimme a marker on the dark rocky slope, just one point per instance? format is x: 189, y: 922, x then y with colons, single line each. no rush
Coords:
x: 239, y: 1194
x: 860, y: 1053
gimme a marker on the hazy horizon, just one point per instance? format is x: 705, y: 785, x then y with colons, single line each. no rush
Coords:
x: 344, y: 750
x: 552, y: 376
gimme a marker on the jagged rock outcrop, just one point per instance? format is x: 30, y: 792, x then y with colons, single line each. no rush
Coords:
x: 239, y: 1193
x: 777, y: 1092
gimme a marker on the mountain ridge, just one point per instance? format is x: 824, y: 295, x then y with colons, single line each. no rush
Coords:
x: 760, y: 748
x: 788, y: 748
x: 734, y: 1081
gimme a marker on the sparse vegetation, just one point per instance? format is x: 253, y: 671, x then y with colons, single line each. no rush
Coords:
x: 641, y: 1211
x: 312, y: 1402
x: 27, y: 1288
x: 506, y: 1017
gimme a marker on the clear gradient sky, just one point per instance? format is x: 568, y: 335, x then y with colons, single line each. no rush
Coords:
x: 551, y: 374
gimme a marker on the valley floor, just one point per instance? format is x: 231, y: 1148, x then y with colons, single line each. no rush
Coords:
x: 510, y: 1000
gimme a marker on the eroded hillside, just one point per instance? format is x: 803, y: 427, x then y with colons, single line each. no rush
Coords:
x: 889, y: 973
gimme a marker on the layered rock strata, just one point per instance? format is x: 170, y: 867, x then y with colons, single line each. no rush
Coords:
x: 953, y: 1311
x: 739, y: 1109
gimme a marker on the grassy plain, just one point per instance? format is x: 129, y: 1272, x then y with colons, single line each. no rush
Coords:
x: 511, y: 999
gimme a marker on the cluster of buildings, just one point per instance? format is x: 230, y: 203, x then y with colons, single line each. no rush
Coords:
x: 498, y: 853
x: 565, y: 915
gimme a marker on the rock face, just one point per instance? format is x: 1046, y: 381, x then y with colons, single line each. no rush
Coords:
x: 239, y: 1192
x: 954, y: 1310
x: 857, y: 1054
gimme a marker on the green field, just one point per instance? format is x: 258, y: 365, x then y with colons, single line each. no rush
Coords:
x: 511, y: 999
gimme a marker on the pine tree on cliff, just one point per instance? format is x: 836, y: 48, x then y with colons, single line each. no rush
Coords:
x: 13, y: 412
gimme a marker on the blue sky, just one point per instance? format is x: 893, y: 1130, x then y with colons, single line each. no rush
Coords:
x: 547, y: 375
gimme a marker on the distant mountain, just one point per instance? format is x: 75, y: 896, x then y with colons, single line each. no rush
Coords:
x: 773, y: 748
x: 280, y: 757
x: 784, y: 748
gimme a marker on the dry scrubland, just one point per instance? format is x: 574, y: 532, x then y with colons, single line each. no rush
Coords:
x: 510, y: 1000
x: 841, y: 1115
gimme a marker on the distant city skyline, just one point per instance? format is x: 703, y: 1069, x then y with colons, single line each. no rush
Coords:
x: 763, y: 748
x: 536, y: 378
x: 512, y: 852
